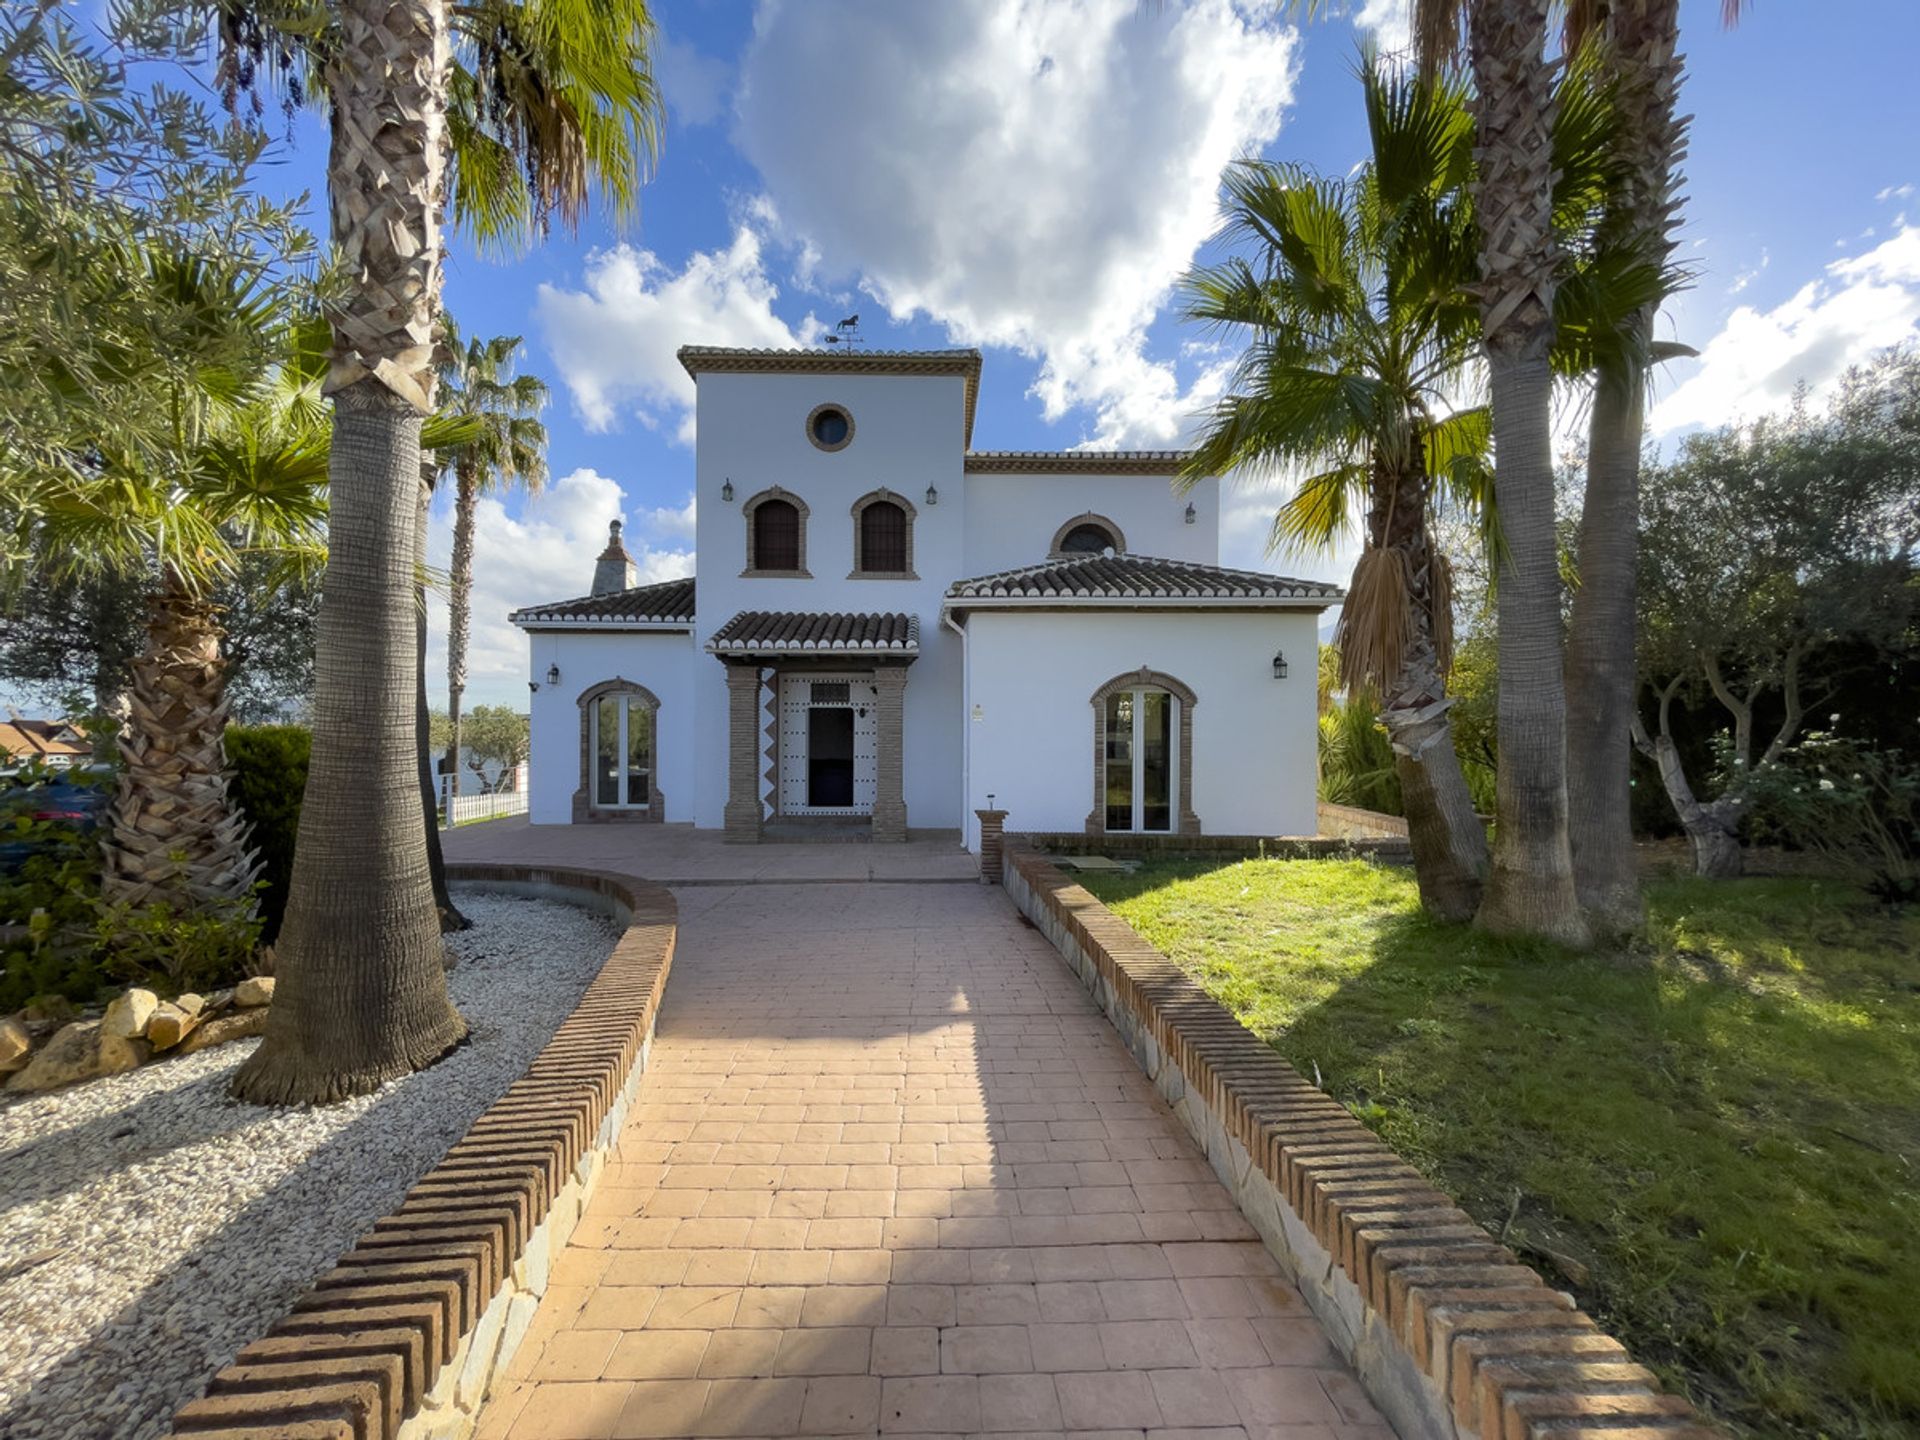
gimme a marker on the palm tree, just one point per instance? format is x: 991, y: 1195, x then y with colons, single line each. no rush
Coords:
x: 1530, y: 887
x: 225, y: 467
x: 510, y: 451
x: 1360, y: 329
x: 363, y: 994
x: 1639, y: 43
x: 549, y: 103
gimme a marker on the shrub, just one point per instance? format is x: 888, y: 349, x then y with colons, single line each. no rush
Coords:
x: 1855, y: 804
x: 52, y: 899
x: 269, y: 778
x: 1356, y: 760
x: 198, y: 950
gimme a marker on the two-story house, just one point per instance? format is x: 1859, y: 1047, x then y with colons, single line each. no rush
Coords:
x: 889, y: 627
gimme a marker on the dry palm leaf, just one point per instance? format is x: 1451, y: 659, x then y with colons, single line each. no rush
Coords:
x: 1440, y: 607
x: 1373, y: 631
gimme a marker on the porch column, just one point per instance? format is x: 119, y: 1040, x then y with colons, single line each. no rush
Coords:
x: 889, y: 767
x: 744, y: 812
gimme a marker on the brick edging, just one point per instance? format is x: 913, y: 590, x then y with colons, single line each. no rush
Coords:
x: 1450, y: 1334
x: 402, y: 1338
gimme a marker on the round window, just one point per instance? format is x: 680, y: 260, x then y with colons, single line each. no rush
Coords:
x: 830, y: 427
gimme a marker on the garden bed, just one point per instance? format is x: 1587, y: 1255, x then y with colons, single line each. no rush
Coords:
x: 152, y: 1226
x: 1713, y: 1140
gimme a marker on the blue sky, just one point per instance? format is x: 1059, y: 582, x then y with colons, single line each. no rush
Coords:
x: 1032, y: 175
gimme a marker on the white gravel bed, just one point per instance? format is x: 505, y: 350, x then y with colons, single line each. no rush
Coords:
x: 181, y: 1223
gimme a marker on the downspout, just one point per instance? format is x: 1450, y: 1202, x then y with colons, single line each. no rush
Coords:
x: 969, y: 837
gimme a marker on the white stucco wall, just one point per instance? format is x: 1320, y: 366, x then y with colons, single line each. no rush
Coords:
x: 661, y: 661
x: 909, y: 433
x: 1011, y: 519
x: 1031, y: 676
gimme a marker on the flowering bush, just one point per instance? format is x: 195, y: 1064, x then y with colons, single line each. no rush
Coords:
x: 1855, y: 804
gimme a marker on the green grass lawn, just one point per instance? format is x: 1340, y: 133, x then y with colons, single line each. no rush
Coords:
x: 1712, y: 1139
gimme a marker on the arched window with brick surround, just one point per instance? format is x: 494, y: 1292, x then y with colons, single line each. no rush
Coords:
x: 776, y: 534
x: 882, y: 537
x: 619, y: 754
x: 1088, y: 534
x: 1143, y: 756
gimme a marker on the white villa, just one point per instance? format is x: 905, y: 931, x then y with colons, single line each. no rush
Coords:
x: 891, y: 628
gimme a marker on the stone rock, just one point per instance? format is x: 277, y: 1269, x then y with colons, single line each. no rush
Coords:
x: 191, y: 1003
x: 254, y: 990
x: 170, y: 1025
x: 81, y: 1051
x: 237, y: 1026
x: 127, y: 1017
x: 16, y: 1044
x: 218, y: 1001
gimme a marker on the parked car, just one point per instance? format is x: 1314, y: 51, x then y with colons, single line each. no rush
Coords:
x: 71, y: 803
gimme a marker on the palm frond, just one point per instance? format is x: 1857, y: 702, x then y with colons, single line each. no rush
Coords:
x: 1374, y: 627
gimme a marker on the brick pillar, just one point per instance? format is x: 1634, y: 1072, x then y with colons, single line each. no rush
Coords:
x: 889, y: 762
x: 744, y: 812
x: 992, y: 846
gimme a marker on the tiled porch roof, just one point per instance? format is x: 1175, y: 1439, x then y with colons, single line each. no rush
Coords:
x: 788, y: 632
x: 669, y: 603
x: 1137, y: 577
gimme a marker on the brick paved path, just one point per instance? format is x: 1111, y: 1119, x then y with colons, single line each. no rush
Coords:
x: 891, y: 1172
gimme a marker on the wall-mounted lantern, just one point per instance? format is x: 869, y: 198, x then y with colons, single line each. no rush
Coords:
x: 933, y: 496
x: 1192, y: 514
x: 1279, y: 665
x: 726, y: 490
x: 553, y: 674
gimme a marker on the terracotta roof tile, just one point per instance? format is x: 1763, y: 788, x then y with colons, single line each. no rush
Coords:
x: 786, y: 632
x: 668, y: 603
x: 1074, y: 462
x: 1137, y: 577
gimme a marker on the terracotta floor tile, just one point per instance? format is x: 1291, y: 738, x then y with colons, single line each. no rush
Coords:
x: 899, y: 1176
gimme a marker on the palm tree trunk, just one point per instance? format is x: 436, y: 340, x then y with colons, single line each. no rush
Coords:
x: 1601, y: 670
x: 173, y: 836
x: 1530, y: 886
x: 1449, y: 843
x: 466, y: 498
x: 1602, y: 682
x: 451, y: 920
x: 362, y: 993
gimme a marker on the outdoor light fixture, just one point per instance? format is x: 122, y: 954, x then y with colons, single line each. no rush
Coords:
x: 1192, y: 514
x: 553, y: 674
x: 1279, y: 665
x: 726, y: 491
x: 933, y: 496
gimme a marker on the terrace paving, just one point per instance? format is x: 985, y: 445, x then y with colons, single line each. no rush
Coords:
x: 890, y: 1172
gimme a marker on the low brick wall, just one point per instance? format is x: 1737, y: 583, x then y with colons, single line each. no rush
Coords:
x: 1277, y: 847
x: 1451, y: 1335
x: 403, y: 1337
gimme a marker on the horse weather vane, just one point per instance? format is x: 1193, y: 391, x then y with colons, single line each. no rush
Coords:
x: 846, y: 333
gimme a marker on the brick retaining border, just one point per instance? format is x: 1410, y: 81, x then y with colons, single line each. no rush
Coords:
x: 402, y: 1339
x: 1450, y: 1334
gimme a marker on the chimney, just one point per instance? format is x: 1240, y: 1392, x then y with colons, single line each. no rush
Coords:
x: 614, y: 569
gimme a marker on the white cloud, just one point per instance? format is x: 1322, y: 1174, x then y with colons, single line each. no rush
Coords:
x: 1859, y: 305
x: 546, y: 552
x: 1747, y: 277
x: 614, y: 341
x: 1028, y: 173
x: 1894, y: 192
x: 674, y: 520
x: 695, y: 85
x: 1391, y: 22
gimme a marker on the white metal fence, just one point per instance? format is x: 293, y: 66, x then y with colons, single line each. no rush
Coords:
x: 509, y: 797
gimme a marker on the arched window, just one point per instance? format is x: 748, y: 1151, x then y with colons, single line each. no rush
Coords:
x: 1088, y: 535
x: 776, y: 534
x: 882, y: 537
x: 619, y: 753
x: 1143, y: 756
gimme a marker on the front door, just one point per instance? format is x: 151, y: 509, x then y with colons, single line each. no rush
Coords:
x: 828, y: 728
